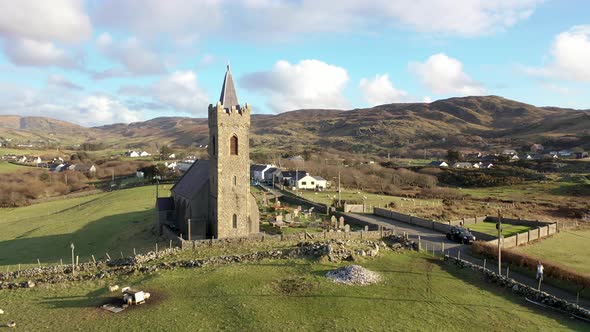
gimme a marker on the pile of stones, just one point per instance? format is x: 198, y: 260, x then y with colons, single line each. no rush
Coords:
x: 353, y: 275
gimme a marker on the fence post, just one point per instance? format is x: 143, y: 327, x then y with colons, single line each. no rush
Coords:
x: 94, y: 260
x: 109, y: 257
x: 134, y: 254
x: 38, y: 262
x: 419, y: 243
x: 170, y: 244
x: 442, y: 248
x: 156, y: 248
x: 484, y: 263
x: 61, y: 261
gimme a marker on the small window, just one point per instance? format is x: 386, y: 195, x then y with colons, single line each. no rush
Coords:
x: 235, y: 221
x: 213, y: 145
x: 233, y: 145
x: 235, y: 180
x: 303, y: 183
x: 312, y: 183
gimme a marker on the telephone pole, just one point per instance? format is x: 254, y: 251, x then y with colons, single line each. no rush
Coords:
x: 499, y: 227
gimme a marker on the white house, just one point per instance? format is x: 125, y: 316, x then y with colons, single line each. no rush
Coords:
x: 144, y: 154
x: 171, y: 166
x: 514, y: 157
x: 462, y: 165
x: 309, y: 182
x: 258, y: 172
x: 172, y: 156
x: 438, y: 164
x: 36, y: 160
x: 133, y: 154
x: 139, y: 174
x: 21, y: 159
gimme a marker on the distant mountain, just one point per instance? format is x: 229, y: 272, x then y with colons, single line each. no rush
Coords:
x: 484, y: 123
x: 34, y: 128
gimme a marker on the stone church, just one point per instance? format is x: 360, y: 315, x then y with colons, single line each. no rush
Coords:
x: 213, y: 197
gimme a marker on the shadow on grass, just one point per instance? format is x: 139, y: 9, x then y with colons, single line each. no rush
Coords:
x: 113, y: 234
x: 478, y: 280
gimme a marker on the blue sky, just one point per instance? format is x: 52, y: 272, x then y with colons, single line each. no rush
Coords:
x: 100, y: 62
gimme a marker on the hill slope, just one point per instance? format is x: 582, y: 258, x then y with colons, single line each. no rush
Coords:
x: 469, y: 122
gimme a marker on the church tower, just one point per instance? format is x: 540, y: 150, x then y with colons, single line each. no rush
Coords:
x: 232, y: 209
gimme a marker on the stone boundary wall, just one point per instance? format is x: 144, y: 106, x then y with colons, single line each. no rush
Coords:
x: 511, y: 221
x: 523, y: 290
x: 526, y: 237
x: 359, y: 235
x: 430, y: 224
x: 355, y: 208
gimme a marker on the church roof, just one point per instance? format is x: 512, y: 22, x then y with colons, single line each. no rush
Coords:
x: 228, y: 97
x: 192, y: 182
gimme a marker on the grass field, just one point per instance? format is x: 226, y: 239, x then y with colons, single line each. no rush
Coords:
x: 327, y: 197
x: 490, y: 228
x: 113, y: 222
x: 570, y: 248
x: 417, y: 294
x: 6, y: 167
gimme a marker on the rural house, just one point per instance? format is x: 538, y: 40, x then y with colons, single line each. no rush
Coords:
x: 309, y: 182
x: 438, y: 164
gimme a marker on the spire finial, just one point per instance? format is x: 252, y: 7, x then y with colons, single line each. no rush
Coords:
x: 228, y: 65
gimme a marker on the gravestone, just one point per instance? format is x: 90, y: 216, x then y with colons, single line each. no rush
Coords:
x: 299, y: 208
x: 366, y: 228
x: 341, y: 222
x: 288, y: 217
x: 333, y: 222
x: 295, y: 213
x: 279, y: 218
x: 347, y: 228
x: 278, y: 203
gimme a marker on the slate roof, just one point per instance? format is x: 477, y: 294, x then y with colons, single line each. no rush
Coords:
x: 318, y: 178
x: 193, y: 180
x: 228, y: 97
x: 292, y: 174
x: 257, y: 168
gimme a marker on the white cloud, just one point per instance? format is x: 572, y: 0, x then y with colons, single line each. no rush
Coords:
x: 28, y: 52
x: 307, y: 84
x: 444, y: 75
x: 135, y: 58
x: 280, y: 19
x: 62, y: 82
x: 99, y: 110
x: 179, y: 91
x: 569, y: 56
x: 380, y: 90
x: 91, y: 110
x: 182, y: 92
x: 56, y: 20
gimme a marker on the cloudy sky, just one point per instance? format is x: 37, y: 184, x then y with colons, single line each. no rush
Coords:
x: 103, y: 61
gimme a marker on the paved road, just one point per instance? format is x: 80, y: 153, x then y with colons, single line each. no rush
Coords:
x: 428, y: 237
x: 431, y: 237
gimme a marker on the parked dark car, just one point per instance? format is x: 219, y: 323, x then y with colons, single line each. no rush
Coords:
x: 461, y: 235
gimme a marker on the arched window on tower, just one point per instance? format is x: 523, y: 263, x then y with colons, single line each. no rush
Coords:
x: 235, y: 221
x: 233, y: 145
x: 213, y: 145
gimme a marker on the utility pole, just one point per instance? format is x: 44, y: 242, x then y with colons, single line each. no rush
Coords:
x: 339, y: 191
x: 73, y: 262
x: 499, y: 227
x: 188, y: 231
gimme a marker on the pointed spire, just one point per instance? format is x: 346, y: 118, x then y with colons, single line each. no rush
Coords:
x: 228, y: 96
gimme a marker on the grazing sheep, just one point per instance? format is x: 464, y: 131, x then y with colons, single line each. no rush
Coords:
x: 1, y: 312
x: 113, y: 288
x: 11, y: 324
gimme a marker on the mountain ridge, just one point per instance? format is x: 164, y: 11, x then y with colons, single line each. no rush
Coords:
x: 468, y: 122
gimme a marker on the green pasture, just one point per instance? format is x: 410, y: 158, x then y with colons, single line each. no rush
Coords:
x: 6, y: 167
x: 112, y: 222
x: 569, y: 248
x: 417, y: 294
x: 490, y: 228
